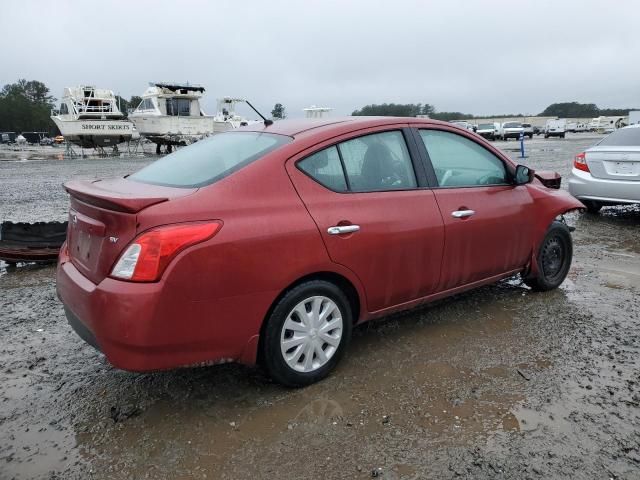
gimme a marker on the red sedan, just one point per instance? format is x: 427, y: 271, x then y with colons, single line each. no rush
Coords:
x: 269, y: 243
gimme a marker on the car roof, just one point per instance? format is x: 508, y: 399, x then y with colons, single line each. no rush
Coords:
x: 333, y: 126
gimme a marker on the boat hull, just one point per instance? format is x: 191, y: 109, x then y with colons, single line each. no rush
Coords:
x: 174, y: 130
x: 95, y: 133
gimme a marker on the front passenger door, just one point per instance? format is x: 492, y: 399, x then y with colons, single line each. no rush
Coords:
x: 487, y: 219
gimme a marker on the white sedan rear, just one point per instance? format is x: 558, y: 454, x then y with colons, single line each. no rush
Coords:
x: 609, y: 172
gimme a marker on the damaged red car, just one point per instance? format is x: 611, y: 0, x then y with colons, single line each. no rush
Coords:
x: 268, y: 244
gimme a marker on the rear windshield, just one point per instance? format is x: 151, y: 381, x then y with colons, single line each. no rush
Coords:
x: 485, y: 126
x: 512, y: 125
x: 625, y: 137
x: 209, y: 160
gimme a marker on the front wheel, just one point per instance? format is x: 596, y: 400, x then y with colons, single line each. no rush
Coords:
x: 307, y: 333
x: 553, y: 259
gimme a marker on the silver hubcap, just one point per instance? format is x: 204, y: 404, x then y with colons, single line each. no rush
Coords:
x: 311, y: 334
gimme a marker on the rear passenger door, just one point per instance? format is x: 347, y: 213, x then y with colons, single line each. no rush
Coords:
x: 487, y: 219
x: 373, y: 212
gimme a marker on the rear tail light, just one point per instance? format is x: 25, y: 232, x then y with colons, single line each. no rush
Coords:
x: 146, y: 258
x: 580, y: 162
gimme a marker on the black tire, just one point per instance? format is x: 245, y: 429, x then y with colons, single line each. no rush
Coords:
x: 272, y: 357
x: 530, y: 136
x: 562, y: 135
x: 158, y: 149
x: 546, y: 136
x: 592, y: 206
x: 553, y: 258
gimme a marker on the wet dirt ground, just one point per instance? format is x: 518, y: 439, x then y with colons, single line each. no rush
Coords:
x: 500, y: 382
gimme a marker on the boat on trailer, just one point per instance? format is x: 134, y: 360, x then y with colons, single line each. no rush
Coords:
x: 90, y: 118
x: 171, y: 114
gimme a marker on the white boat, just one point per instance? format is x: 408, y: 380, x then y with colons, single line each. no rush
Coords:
x: 316, y: 112
x: 171, y: 114
x: 607, y: 124
x: 89, y: 117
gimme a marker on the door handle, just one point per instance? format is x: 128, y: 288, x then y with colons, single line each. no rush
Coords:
x: 342, y: 229
x: 463, y: 213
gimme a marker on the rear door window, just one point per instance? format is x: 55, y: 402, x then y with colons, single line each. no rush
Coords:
x: 326, y: 169
x: 378, y: 162
x: 461, y: 162
x: 209, y: 160
x: 370, y: 163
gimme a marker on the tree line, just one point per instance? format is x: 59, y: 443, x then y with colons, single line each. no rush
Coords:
x: 26, y: 106
x: 561, y: 110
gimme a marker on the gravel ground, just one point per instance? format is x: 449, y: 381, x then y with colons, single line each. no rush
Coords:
x: 500, y: 382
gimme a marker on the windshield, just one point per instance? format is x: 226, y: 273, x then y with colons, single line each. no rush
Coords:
x: 210, y: 160
x: 512, y: 125
x: 486, y: 126
x: 625, y: 137
x: 526, y: 125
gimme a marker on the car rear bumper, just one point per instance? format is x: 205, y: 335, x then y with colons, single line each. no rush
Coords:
x: 584, y: 186
x: 144, y: 327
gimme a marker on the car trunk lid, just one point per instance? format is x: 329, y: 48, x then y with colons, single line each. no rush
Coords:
x: 103, y: 220
x: 614, y: 163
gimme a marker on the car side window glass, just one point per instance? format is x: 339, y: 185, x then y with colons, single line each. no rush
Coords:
x: 325, y: 168
x: 461, y: 162
x: 378, y: 162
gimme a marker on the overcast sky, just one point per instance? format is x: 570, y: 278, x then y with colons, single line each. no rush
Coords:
x: 481, y: 57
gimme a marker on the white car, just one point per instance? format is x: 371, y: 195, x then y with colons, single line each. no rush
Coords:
x: 511, y: 130
x: 609, y: 172
x: 463, y: 124
x: 527, y: 128
x: 488, y: 130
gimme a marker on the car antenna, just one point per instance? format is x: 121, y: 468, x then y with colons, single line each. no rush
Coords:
x: 267, y: 122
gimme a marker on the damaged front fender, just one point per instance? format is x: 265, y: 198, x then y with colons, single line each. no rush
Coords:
x: 549, y: 205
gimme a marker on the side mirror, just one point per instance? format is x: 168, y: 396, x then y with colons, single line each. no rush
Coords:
x: 523, y: 175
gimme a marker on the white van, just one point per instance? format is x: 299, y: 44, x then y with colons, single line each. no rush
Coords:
x: 555, y: 128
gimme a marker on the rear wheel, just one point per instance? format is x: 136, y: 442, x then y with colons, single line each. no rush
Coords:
x: 307, y: 333
x: 553, y: 259
x: 592, y: 206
